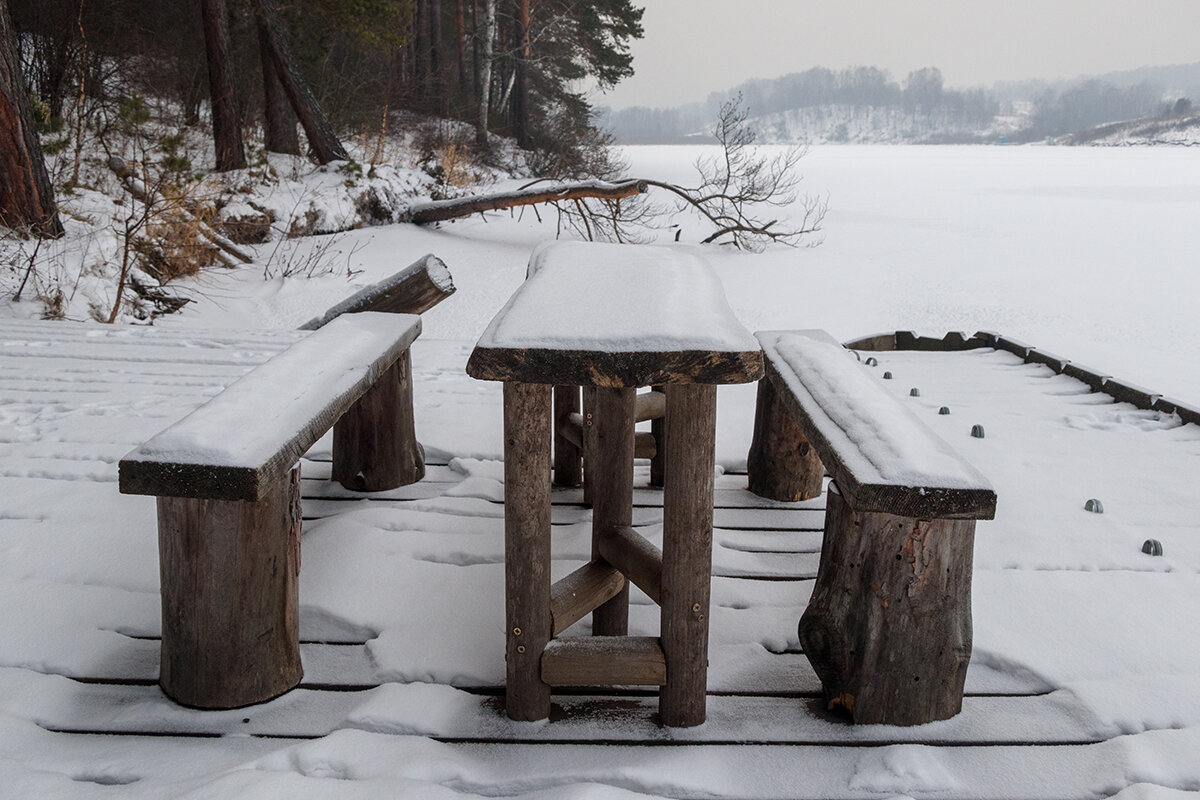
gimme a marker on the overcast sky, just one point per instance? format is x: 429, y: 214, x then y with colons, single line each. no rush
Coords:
x: 693, y: 47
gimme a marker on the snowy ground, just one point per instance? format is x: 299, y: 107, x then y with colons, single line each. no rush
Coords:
x: 1087, y: 652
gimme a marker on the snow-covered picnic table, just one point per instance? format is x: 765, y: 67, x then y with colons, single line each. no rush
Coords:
x: 1082, y: 685
x: 612, y: 318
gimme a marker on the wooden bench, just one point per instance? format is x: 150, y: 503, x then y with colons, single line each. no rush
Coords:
x: 228, y: 488
x: 888, y: 628
x: 611, y: 318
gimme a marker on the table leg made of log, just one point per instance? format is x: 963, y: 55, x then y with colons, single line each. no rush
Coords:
x: 677, y: 577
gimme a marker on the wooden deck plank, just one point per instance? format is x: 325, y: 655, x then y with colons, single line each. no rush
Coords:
x: 58, y: 703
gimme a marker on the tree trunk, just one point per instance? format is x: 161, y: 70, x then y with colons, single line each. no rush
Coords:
x: 460, y: 42
x: 227, y: 126
x: 521, y: 78
x: 436, y: 65
x: 440, y: 210
x: 487, y: 36
x: 26, y: 196
x: 281, y: 136
x: 421, y: 48
x: 321, y: 138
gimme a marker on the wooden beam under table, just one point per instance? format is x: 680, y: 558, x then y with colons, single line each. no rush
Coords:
x: 637, y: 559
x: 581, y: 592
x: 604, y: 661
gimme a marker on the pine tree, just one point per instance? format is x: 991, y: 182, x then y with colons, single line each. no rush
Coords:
x: 26, y: 196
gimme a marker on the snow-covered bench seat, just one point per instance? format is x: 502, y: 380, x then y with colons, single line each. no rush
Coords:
x: 611, y: 318
x: 228, y: 489
x: 888, y: 628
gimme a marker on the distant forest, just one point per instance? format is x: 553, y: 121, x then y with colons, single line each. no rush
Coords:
x: 868, y: 104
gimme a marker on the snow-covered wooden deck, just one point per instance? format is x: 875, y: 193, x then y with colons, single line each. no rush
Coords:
x: 1086, y: 650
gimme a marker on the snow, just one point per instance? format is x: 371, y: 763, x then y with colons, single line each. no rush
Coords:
x: 878, y: 440
x: 275, y: 403
x: 1083, y: 678
x: 618, y: 298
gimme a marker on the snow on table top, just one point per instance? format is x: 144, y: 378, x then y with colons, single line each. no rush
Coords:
x: 248, y: 423
x: 877, y: 439
x: 618, y: 298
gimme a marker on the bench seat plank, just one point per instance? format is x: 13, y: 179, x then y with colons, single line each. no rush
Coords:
x: 246, y: 438
x: 882, y: 456
x: 617, y: 315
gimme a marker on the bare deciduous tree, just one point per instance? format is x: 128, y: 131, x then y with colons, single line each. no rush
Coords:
x: 734, y: 192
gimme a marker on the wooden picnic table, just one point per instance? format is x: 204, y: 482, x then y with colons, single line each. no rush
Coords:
x: 612, y: 317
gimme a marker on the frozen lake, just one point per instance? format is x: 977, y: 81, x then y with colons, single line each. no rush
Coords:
x: 1090, y: 253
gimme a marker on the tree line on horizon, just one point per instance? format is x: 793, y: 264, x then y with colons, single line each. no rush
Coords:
x: 1056, y: 111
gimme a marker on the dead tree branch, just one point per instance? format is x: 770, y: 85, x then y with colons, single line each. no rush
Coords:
x: 736, y: 193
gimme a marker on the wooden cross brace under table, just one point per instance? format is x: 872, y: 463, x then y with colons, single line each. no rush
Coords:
x: 688, y: 361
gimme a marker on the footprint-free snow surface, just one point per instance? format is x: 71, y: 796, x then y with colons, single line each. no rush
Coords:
x: 1085, y: 680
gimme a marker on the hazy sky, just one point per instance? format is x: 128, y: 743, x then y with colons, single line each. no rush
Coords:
x: 693, y: 47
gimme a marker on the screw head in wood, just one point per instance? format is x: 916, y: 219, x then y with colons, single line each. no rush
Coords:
x: 944, y: 410
x: 1152, y: 547
x: 1094, y: 506
x: 872, y: 362
x: 887, y: 376
x: 977, y: 431
x: 914, y: 392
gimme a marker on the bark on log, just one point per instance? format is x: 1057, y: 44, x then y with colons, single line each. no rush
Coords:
x: 413, y: 290
x: 782, y: 464
x: 888, y: 628
x: 687, y: 550
x: 658, y: 427
x: 230, y: 630
x: 26, y: 195
x: 568, y: 439
x: 527, y: 416
x: 375, y: 445
x: 321, y: 138
x: 636, y: 558
x: 612, y: 492
x: 581, y: 592
x: 440, y: 210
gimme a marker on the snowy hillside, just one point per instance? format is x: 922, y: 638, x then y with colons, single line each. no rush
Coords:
x: 1182, y: 130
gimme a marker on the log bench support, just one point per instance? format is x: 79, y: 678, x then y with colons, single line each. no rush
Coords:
x: 230, y: 607
x: 229, y: 518
x: 888, y: 626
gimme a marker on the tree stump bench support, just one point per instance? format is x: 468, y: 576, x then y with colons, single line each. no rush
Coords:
x: 560, y: 331
x: 228, y: 488
x: 888, y: 628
